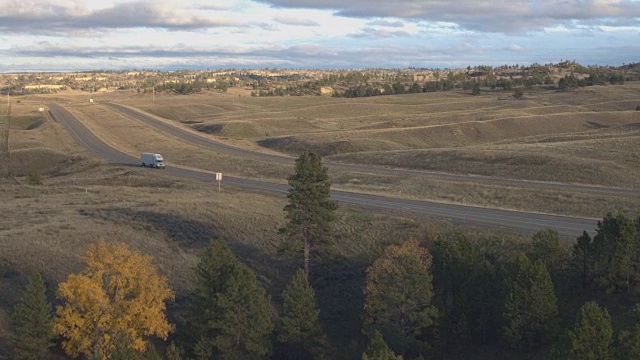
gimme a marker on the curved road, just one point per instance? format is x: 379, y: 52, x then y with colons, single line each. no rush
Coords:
x: 520, y: 221
x: 232, y: 150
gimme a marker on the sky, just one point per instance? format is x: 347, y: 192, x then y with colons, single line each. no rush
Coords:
x: 71, y: 35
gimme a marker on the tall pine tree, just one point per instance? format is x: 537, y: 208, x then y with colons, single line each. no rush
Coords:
x: 467, y: 291
x: 310, y: 212
x: 32, y: 322
x: 547, y: 247
x: 230, y: 311
x: 398, y: 298
x: 617, y: 253
x: 531, y: 306
x: 590, y: 338
x: 630, y: 339
x: 299, y: 326
x: 583, y: 257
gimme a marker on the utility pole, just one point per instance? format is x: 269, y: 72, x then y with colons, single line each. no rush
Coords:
x: 9, y: 132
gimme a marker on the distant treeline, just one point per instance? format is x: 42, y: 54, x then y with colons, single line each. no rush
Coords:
x: 506, y: 78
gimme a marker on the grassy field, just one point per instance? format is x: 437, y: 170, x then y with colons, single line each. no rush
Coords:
x: 590, y: 136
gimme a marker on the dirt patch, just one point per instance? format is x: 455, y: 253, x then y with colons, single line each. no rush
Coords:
x: 244, y: 129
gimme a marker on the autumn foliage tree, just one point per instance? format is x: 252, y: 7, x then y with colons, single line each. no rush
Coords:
x: 118, y: 300
x: 398, y: 296
x: 310, y: 211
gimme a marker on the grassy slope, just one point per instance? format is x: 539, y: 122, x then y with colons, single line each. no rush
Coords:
x: 451, y: 131
x: 45, y: 228
x: 588, y: 136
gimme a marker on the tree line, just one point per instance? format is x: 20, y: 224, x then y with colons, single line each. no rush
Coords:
x: 356, y: 84
x: 441, y: 299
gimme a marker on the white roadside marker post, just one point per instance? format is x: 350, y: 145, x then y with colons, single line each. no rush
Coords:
x: 218, y: 179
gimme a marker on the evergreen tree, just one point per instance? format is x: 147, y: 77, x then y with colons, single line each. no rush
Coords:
x: 32, y: 322
x: 546, y: 247
x: 379, y: 350
x: 590, y: 338
x: 583, y: 257
x: 531, y: 305
x: 616, y: 247
x: 467, y: 290
x: 173, y: 352
x: 310, y: 212
x: 230, y: 312
x: 299, y: 325
x: 475, y: 90
x: 630, y: 339
x: 398, y: 297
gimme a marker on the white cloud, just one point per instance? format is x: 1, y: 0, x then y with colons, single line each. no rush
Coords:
x: 481, y: 15
x: 295, y: 21
x: 330, y: 33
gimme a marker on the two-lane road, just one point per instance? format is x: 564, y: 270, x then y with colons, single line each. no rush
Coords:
x: 333, y: 165
x: 520, y: 221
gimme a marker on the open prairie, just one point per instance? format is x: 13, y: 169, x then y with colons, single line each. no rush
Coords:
x: 64, y: 199
x: 588, y: 136
x: 61, y: 198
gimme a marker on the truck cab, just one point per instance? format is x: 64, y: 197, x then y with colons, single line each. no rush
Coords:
x: 152, y: 160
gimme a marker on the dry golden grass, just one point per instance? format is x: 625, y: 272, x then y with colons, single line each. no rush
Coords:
x: 83, y: 199
x: 588, y: 136
x: 47, y: 228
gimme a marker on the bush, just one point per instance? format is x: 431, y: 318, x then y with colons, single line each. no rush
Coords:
x: 34, y: 177
x: 518, y: 93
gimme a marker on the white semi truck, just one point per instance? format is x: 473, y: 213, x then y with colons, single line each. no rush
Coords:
x: 152, y: 160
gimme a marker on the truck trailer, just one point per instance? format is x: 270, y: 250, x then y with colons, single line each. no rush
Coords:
x: 152, y: 160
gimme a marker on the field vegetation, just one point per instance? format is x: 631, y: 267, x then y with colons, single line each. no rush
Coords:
x: 587, y: 136
x: 60, y: 200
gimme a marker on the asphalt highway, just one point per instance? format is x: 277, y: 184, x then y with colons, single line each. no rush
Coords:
x: 527, y: 223
x: 232, y: 150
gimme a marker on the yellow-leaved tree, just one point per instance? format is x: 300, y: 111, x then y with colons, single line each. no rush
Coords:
x: 119, y: 299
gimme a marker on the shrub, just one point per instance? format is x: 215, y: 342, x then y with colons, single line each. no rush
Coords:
x: 34, y: 177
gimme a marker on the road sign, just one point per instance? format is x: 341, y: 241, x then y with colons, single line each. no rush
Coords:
x: 218, y: 179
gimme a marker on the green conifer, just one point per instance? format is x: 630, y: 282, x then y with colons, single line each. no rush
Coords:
x: 310, y: 211
x: 531, y: 306
x: 591, y: 335
x: 230, y: 310
x: 299, y: 325
x: 32, y: 322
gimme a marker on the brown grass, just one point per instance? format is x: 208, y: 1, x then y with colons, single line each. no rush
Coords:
x: 588, y: 136
x: 83, y: 199
x: 47, y: 228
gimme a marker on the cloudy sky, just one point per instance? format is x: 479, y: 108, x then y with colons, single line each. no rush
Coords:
x: 59, y: 35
